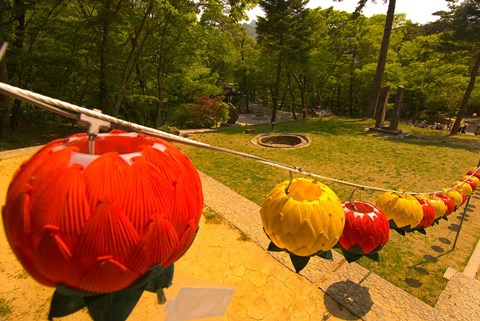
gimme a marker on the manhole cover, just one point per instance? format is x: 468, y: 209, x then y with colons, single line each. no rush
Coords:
x: 281, y: 140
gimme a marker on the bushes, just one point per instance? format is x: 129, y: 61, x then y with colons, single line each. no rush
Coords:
x: 205, y: 112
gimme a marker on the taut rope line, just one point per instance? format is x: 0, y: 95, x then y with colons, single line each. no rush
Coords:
x: 55, y: 105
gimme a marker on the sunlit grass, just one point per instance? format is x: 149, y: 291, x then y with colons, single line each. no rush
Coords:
x: 425, y: 161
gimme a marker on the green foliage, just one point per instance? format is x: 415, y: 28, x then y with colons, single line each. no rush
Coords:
x: 4, y: 307
x: 340, y: 149
x: 170, y: 129
x: 204, y: 113
x: 147, y: 59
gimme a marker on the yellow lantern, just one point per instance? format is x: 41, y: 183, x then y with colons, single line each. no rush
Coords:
x: 438, y: 205
x: 463, y: 187
x: 473, y: 178
x: 303, y: 217
x: 457, y: 196
x: 403, y: 210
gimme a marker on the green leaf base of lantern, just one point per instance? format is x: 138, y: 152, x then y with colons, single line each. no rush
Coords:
x: 300, y: 262
x: 402, y: 230
x: 110, y: 306
x: 355, y: 253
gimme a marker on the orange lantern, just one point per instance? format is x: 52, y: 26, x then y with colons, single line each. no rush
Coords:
x: 98, y: 223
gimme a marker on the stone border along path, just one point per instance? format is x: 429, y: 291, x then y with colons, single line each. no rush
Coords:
x: 365, y: 294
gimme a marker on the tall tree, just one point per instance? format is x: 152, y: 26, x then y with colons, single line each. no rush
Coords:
x: 382, y: 58
x: 464, y: 24
x: 280, y: 35
x: 4, y: 101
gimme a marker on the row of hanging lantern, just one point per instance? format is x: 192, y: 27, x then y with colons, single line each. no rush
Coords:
x: 306, y: 218
x: 98, y: 223
x: 103, y: 217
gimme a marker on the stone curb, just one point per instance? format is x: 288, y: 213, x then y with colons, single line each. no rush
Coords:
x: 18, y: 152
x: 365, y: 294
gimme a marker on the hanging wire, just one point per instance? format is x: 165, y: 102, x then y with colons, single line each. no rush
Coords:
x: 55, y: 105
x: 289, y: 183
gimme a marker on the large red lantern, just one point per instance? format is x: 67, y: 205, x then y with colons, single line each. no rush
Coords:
x: 366, y: 231
x: 99, y: 222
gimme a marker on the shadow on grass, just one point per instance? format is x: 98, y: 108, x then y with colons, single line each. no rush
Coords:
x: 350, y: 126
x: 413, y: 283
x: 328, y: 126
x: 454, y: 142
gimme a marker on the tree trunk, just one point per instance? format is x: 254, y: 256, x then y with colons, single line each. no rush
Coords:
x: 292, y: 96
x: 276, y: 91
x: 244, y: 74
x: 132, y: 59
x: 466, y: 96
x: 382, y: 59
x: 4, y: 102
x: 105, y: 55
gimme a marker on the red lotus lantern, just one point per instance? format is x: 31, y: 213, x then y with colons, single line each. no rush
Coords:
x: 448, y: 201
x: 474, y: 171
x: 366, y: 231
x: 472, y: 180
x: 428, y: 216
x: 98, y: 223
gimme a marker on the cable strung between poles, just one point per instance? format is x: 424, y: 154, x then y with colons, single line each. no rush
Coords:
x: 55, y: 105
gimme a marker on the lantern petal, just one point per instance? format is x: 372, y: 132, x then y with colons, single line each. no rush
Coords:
x: 107, y: 232
x: 76, y: 210
x: 108, y: 275
x: 53, y: 259
x: 25, y: 173
x: 157, y: 245
x: 105, y: 177
x: 18, y: 226
x: 49, y: 194
x: 146, y: 192
x: 185, y: 242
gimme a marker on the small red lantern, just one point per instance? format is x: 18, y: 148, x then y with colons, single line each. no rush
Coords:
x: 366, y: 231
x: 474, y: 171
x: 448, y: 201
x: 99, y: 222
x: 428, y: 216
x: 472, y: 180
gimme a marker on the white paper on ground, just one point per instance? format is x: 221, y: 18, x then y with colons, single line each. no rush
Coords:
x: 198, y: 302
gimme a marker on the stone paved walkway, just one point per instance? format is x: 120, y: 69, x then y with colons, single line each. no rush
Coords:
x: 365, y: 294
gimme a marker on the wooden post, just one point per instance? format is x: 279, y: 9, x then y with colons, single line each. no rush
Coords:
x: 397, y: 108
x: 382, y: 106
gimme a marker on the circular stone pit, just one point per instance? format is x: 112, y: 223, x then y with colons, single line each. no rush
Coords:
x: 281, y: 140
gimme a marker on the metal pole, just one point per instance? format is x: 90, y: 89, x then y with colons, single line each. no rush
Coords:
x: 463, y: 217
x: 461, y: 222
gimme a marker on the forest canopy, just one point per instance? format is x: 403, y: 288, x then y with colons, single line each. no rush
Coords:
x: 150, y: 61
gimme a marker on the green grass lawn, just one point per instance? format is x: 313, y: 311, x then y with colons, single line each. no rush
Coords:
x: 425, y: 161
